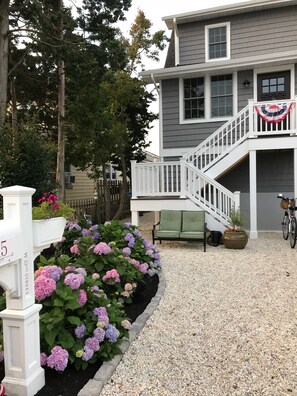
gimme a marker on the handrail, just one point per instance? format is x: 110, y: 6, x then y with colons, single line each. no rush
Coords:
x: 229, y: 135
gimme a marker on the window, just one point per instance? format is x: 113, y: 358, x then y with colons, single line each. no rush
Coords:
x: 207, y: 98
x: 194, y: 98
x: 221, y: 96
x: 217, y: 41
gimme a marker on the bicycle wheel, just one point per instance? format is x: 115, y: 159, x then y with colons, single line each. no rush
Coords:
x: 293, y: 233
x: 285, y: 226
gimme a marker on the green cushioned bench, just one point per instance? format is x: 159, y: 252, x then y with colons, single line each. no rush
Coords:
x: 180, y: 225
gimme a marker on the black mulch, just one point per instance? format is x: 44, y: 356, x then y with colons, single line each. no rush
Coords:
x: 71, y: 381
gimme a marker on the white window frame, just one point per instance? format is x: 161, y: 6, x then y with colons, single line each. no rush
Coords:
x: 228, y: 41
x: 207, y: 100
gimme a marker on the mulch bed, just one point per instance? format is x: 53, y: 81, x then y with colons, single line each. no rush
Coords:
x: 71, y: 381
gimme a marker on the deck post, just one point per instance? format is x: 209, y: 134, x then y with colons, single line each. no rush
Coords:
x: 253, y: 195
x: 251, y: 118
x: 134, y: 187
x: 183, y: 177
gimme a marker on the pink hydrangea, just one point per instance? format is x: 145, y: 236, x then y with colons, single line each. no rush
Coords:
x: 74, y: 280
x: 44, y: 287
x: 143, y: 268
x: 43, y: 359
x: 58, y: 359
x: 102, y: 248
x: 82, y: 297
x: 74, y: 249
x: 111, y: 277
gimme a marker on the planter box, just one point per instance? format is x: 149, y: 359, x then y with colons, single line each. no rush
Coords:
x: 46, y: 232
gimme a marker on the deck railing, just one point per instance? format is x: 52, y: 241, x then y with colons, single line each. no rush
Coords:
x: 187, y: 177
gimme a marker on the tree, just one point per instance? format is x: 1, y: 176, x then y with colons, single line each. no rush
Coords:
x: 20, y: 162
x: 4, y: 28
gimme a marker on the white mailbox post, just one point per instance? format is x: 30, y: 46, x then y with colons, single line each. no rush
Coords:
x: 23, y: 374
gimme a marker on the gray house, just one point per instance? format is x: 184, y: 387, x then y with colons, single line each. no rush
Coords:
x: 228, y: 119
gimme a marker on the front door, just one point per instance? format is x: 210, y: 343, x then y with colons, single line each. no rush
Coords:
x: 274, y: 86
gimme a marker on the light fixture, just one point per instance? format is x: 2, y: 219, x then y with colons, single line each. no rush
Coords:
x: 246, y: 83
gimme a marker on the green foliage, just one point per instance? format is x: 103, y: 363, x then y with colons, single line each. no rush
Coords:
x: 236, y: 218
x: 26, y: 158
x: 46, y: 211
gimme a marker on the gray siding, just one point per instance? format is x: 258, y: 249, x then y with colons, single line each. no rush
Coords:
x: 176, y: 135
x: 252, y: 34
x: 244, y: 93
x: 274, y: 176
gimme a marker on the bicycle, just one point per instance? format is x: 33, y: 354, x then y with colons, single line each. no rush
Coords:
x: 289, y: 223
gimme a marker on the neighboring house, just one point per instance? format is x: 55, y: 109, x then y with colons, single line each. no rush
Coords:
x: 228, y: 123
x: 79, y: 186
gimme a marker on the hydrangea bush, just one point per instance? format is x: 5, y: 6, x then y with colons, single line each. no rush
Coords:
x: 83, y: 288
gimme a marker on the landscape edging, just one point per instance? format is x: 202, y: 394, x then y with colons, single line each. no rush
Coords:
x: 94, y: 386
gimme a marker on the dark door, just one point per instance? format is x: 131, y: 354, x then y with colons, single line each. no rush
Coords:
x: 274, y: 86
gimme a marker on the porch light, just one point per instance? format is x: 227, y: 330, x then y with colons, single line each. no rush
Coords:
x: 246, y: 83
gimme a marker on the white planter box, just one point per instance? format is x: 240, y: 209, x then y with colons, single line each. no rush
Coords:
x: 48, y: 231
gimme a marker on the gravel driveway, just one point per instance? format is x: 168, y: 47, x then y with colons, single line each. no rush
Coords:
x: 226, y: 324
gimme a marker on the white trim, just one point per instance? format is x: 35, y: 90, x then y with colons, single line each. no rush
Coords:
x: 175, y: 152
x: 207, y: 100
x: 229, y: 66
x: 228, y: 41
x: 273, y: 69
x: 160, y: 117
x: 176, y: 43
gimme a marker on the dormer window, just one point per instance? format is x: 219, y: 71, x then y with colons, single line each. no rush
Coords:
x: 217, y: 39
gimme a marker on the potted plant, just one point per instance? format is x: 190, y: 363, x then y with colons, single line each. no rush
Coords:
x: 234, y: 237
x: 49, y: 220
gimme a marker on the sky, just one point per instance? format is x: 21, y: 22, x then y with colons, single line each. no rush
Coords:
x: 154, y: 10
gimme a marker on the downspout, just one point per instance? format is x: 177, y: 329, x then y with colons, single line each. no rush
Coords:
x: 176, y: 42
x: 155, y: 84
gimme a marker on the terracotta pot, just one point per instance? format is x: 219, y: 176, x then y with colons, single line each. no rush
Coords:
x: 235, y: 239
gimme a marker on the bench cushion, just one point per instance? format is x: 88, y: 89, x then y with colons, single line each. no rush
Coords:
x: 193, y: 221
x: 166, y: 234
x: 170, y: 220
x: 191, y: 235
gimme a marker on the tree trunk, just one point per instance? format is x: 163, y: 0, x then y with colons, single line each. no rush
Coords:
x: 4, y: 29
x: 123, y: 196
x: 61, y: 114
x: 14, y: 114
x: 106, y: 195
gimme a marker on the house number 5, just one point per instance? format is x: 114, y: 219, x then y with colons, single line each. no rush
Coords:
x: 3, y: 249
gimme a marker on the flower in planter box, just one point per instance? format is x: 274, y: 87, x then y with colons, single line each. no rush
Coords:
x: 51, y: 207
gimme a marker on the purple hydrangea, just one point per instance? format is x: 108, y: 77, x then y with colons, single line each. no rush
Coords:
x: 143, y: 268
x: 137, y: 232
x: 85, y: 232
x: 127, y: 250
x: 73, y: 226
x: 58, y: 359
x: 87, y: 354
x: 74, y: 280
x: 75, y: 249
x: 94, y: 227
x: 96, y: 235
x: 130, y: 239
x: 112, y: 333
x: 100, y: 311
x: 80, y: 331
x: 52, y: 271
x: 92, y: 343
x: 99, y: 334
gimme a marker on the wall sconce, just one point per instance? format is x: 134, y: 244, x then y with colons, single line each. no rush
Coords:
x: 246, y: 83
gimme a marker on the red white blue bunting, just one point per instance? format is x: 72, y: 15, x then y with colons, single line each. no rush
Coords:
x: 274, y: 112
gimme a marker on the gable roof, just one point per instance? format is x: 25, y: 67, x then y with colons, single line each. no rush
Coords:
x: 226, y: 10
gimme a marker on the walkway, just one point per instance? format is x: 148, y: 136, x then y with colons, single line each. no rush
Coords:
x: 226, y: 325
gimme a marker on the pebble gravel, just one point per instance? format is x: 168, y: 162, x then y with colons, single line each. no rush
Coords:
x: 225, y: 326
